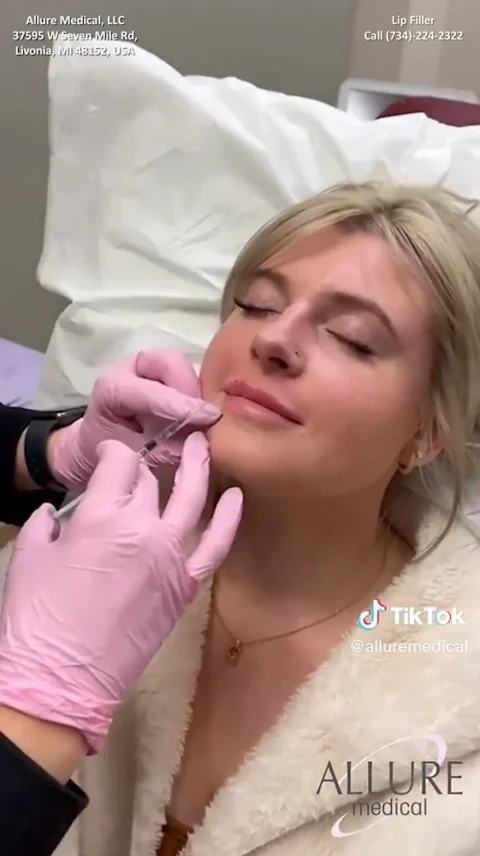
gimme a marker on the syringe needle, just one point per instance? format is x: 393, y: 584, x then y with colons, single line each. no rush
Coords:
x: 162, y: 437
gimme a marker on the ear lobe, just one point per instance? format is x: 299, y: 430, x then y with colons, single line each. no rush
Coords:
x: 429, y: 446
x: 424, y: 457
x: 420, y: 452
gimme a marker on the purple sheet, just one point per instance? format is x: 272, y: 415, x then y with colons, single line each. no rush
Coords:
x: 20, y: 370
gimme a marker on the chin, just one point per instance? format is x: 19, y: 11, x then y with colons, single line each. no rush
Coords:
x: 244, y: 455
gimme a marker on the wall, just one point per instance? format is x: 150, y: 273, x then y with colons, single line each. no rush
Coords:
x: 299, y: 47
x: 306, y: 47
x: 443, y: 63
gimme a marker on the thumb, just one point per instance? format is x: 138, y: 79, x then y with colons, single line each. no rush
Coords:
x: 217, y: 540
x: 39, y: 529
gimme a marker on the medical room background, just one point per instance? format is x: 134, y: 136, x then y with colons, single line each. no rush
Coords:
x: 307, y: 48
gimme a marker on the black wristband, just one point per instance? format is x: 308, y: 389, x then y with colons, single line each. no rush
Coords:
x: 35, y: 451
x: 36, y: 445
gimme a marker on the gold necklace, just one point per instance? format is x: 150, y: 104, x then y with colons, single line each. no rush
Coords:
x: 235, y: 650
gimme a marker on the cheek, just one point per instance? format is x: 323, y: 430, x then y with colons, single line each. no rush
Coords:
x: 366, y: 403
x: 226, y: 355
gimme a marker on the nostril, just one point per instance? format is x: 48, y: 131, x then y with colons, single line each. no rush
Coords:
x: 279, y: 362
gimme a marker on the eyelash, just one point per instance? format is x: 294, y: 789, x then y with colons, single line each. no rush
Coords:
x: 250, y: 309
x: 362, y: 351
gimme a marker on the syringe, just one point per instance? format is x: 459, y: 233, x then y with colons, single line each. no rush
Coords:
x: 160, y: 438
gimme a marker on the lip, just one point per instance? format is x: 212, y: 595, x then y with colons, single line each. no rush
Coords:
x: 240, y: 389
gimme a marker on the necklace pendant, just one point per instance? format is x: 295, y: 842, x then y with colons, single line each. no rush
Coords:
x: 234, y: 652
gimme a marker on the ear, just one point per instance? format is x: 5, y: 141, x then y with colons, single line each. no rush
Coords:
x: 424, y: 448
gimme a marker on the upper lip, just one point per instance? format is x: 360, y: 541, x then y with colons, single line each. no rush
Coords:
x: 259, y: 396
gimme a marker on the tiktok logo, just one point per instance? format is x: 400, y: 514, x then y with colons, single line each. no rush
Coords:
x: 369, y: 619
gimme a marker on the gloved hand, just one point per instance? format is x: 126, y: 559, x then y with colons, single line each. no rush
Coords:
x: 84, y: 614
x: 144, y: 393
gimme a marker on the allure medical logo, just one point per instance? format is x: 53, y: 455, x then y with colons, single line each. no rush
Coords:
x: 422, y: 776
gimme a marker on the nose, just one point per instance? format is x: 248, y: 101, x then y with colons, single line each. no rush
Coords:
x: 278, y: 352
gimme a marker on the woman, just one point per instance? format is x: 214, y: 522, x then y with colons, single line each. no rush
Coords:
x: 348, y: 360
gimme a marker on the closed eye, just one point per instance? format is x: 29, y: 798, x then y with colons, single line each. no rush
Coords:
x: 359, y: 348
x: 251, y: 309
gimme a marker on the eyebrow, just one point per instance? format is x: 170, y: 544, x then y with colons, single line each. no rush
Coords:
x: 337, y: 297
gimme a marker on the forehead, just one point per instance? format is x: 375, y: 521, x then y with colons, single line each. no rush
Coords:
x: 360, y: 263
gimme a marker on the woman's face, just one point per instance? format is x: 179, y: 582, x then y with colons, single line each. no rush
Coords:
x: 334, y: 343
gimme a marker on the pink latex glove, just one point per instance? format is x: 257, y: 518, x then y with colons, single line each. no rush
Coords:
x: 84, y: 614
x: 144, y: 393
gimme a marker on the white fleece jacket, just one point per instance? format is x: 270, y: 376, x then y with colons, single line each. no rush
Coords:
x: 354, y: 704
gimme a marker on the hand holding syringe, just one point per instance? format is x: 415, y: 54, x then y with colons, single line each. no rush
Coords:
x: 149, y: 446
x: 85, y: 613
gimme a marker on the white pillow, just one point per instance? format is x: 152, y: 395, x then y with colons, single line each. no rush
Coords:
x: 157, y: 180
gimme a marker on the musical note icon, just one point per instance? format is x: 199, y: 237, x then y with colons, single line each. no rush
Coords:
x: 369, y: 619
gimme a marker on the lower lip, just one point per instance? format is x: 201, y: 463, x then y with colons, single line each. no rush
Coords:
x: 255, y: 411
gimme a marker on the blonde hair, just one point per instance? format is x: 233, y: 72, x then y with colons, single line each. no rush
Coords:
x: 430, y: 229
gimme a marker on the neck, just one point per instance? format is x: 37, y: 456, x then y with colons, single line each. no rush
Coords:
x: 325, y: 551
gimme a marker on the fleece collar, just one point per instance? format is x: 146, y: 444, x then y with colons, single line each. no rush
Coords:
x: 353, y: 705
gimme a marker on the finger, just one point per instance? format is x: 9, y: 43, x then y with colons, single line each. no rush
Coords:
x: 146, y: 492
x: 137, y: 397
x: 218, y: 538
x: 190, y: 490
x: 39, y: 529
x: 167, y: 455
x: 170, y: 367
x: 115, y: 475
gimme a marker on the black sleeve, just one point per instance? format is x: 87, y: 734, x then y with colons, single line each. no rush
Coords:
x: 17, y: 506
x: 36, y: 811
